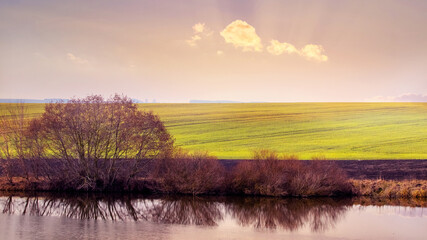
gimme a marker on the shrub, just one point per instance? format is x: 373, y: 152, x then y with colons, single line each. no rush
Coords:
x: 185, y: 173
x: 274, y: 175
x: 267, y: 174
x: 319, y: 178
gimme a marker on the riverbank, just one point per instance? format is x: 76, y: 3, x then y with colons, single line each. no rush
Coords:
x: 374, y: 190
x: 390, y: 188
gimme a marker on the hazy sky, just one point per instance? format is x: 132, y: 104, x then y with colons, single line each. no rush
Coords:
x: 174, y: 51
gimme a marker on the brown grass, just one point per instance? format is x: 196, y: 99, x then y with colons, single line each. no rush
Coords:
x: 24, y: 184
x: 390, y: 189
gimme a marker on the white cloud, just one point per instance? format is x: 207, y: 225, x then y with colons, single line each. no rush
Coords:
x: 278, y: 48
x: 76, y: 59
x: 310, y: 51
x: 314, y: 52
x: 193, y: 41
x: 199, y: 27
x: 219, y: 53
x: 199, y: 30
x: 406, y: 97
x: 242, y: 35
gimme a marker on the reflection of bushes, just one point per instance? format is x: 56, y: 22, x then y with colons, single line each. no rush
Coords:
x: 272, y: 175
x: 288, y: 214
x: 194, y: 211
x: 79, y: 207
x: 177, y: 211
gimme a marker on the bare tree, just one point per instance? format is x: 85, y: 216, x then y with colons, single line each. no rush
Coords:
x: 14, y: 145
x: 92, y: 137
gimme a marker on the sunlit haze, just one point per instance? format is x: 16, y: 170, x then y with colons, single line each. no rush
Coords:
x: 249, y: 51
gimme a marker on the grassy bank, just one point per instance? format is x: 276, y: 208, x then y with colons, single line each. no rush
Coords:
x: 390, y: 189
x: 378, y: 192
x: 336, y: 130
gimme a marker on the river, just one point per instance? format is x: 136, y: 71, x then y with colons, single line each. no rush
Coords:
x: 93, y: 216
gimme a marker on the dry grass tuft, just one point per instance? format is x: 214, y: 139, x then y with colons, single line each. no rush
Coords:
x: 390, y: 189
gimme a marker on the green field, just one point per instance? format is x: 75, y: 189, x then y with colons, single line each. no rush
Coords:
x: 336, y: 130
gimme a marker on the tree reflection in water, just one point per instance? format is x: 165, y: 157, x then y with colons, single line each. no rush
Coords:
x: 182, y: 210
x: 186, y: 210
x: 261, y: 213
x: 288, y: 214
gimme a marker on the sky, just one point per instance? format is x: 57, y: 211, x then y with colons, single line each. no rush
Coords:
x: 249, y: 51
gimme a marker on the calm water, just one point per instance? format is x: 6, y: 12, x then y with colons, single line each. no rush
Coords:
x: 137, y: 217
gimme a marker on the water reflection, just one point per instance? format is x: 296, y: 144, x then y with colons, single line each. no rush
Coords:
x: 80, y: 207
x: 261, y: 213
x: 183, y: 210
x: 401, y: 202
x: 186, y: 210
x: 289, y: 214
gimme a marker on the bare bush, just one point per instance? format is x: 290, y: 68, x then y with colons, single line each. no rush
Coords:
x: 274, y: 175
x: 319, y: 178
x: 15, y: 147
x: 266, y: 175
x: 185, y: 173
